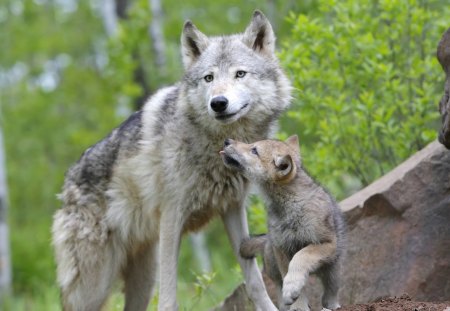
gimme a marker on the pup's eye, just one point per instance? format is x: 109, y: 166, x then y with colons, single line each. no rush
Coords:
x: 240, y: 74
x: 208, y: 78
x: 254, y: 151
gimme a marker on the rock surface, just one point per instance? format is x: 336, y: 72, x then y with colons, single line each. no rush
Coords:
x: 237, y: 301
x: 399, y: 232
x: 398, y: 236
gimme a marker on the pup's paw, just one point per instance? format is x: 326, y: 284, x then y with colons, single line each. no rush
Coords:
x: 300, y: 308
x: 292, y: 286
x: 331, y: 305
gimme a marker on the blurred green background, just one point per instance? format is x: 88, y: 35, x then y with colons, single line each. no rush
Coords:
x: 366, y: 84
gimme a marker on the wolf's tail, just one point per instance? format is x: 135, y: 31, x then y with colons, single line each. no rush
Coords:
x: 253, y: 246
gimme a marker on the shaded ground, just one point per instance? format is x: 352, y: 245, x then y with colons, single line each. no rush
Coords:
x: 403, y: 303
x: 239, y: 301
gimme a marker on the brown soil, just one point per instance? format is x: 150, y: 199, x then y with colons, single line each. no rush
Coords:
x: 403, y: 303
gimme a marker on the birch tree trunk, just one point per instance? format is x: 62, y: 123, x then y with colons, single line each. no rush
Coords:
x: 5, y: 262
x: 157, y: 36
x: 108, y: 11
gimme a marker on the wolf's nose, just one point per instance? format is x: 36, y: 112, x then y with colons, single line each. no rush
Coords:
x: 227, y: 142
x: 219, y: 103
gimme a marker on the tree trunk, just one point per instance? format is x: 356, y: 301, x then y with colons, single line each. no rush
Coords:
x: 157, y: 36
x: 5, y: 263
x: 198, y: 242
x: 109, y: 11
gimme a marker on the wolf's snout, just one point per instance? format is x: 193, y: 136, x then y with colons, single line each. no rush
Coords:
x: 219, y: 103
x: 227, y: 142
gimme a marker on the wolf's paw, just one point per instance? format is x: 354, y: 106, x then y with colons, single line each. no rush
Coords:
x: 292, y: 286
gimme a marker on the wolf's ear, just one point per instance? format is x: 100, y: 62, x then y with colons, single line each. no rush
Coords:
x: 193, y: 43
x: 285, y: 168
x: 292, y: 141
x: 259, y: 35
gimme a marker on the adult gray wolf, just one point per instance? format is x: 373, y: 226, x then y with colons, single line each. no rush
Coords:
x: 305, y: 224
x: 133, y: 194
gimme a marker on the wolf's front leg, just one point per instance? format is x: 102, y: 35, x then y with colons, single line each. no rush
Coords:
x: 235, y: 221
x: 170, y: 228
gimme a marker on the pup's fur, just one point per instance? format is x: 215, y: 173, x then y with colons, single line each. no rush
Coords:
x: 304, y: 222
x: 158, y: 174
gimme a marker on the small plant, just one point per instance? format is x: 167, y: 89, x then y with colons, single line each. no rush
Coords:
x: 202, y: 284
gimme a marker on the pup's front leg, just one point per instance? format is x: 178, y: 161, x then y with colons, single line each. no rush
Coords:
x: 170, y: 228
x: 235, y: 221
x: 304, y: 262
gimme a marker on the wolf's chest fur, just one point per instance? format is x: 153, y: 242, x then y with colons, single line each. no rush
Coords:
x: 199, y: 184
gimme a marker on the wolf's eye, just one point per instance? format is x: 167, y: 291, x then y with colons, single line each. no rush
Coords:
x: 240, y: 74
x: 254, y: 151
x: 208, y: 78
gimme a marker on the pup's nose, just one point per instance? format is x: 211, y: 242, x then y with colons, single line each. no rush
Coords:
x: 227, y: 142
x: 219, y: 103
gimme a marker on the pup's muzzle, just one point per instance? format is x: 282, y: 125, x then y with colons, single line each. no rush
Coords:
x: 228, y: 156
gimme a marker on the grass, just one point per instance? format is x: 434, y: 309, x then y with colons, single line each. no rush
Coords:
x: 46, y: 300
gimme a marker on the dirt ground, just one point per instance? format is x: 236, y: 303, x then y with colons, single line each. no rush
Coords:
x: 403, y: 303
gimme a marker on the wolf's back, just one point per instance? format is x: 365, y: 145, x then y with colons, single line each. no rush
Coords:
x: 95, y: 165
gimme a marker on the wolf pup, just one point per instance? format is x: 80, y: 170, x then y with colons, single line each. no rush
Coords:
x: 304, y: 222
x: 131, y: 196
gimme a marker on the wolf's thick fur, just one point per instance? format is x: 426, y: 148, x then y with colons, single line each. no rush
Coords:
x: 131, y: 196
x: 305, y: 223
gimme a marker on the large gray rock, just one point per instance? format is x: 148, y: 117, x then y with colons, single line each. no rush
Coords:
x: 398, y: 235
x: 399, y: 232
x: 237, y: 301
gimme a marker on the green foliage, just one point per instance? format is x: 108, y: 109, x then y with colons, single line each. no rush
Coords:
x: 366, y: 79
x: 48, y: 117
x: 46, y: 300
x: 257, y: 216
x: 124, y: 49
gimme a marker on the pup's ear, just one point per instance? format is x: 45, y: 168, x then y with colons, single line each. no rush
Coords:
x: 259, y: 35
x: 193, y: 43
x: 292, y: 141
x: 285, y: 168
